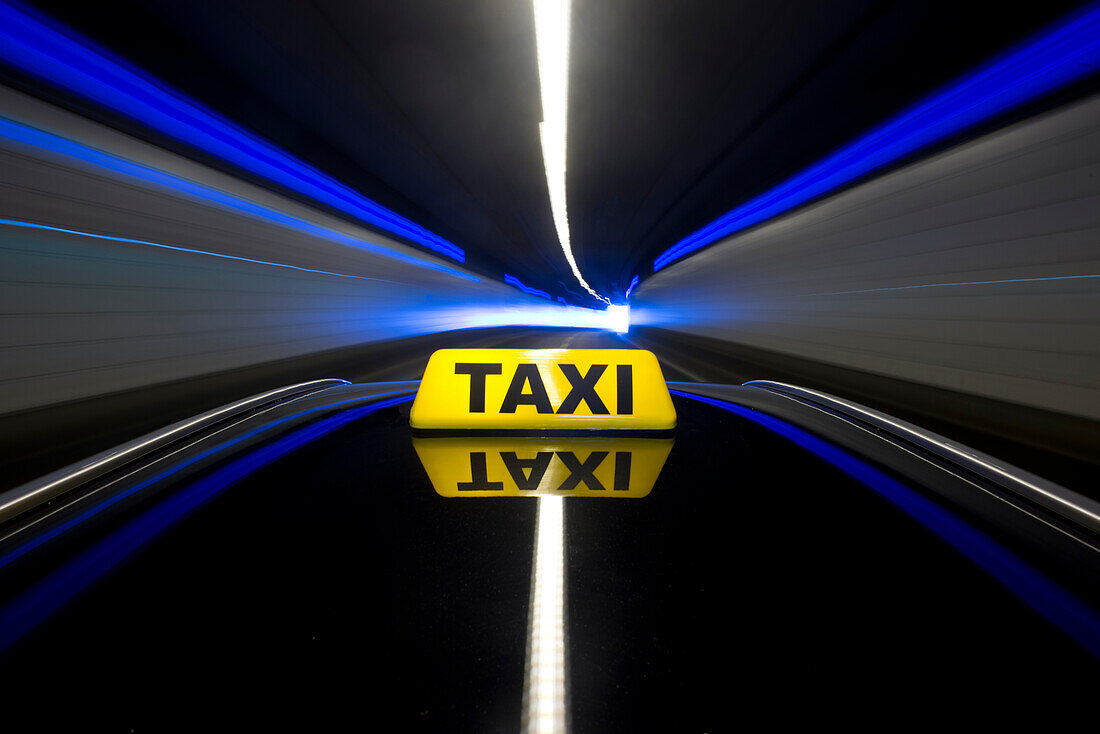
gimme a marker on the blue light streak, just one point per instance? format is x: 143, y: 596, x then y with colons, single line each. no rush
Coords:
x: 59, y: 146
x: 1068, y: 51
x: 76, y: 64
x: 1061, y: 608
x: 129, y: 240
x: 633, y: 284
x: 513, y: 280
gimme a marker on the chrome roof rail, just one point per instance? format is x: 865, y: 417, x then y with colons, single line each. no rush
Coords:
x: 26, y: 496
x: 1047, y: 494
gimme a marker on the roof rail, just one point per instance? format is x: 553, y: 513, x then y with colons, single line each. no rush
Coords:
x: 1054, y: 497
x: 19, y: 499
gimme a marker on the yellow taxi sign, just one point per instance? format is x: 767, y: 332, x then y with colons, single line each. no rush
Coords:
x: 494, y: 390
x: 609, y: 466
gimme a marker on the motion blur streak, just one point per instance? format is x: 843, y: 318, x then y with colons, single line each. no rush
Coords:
x: 1060, y: 607
x: 30, y: 136
x: 1061, y: 55
x: 113, y: 282
x: 949, y: 285
x: 79, y: 66
x: 109, y: 238
x: 973, y: 270
x: 544, y: 690
x: 552, y: 18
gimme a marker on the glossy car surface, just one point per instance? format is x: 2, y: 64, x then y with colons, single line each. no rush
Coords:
x: 290, y: 564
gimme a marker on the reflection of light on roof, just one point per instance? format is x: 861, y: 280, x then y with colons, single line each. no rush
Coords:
x: 1067, y: 52
x: 1073, y: 616
x: 544, y: 689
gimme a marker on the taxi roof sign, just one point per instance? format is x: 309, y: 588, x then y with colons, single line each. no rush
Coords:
x: 493, y: 391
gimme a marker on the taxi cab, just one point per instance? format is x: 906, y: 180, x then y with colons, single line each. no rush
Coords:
x: 445, y: 555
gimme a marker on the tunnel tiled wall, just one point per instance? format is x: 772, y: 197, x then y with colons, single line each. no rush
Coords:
x: 976, y: 270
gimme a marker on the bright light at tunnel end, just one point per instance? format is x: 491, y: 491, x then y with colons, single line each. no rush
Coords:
x: 618, y: 318
x: 552, y: 18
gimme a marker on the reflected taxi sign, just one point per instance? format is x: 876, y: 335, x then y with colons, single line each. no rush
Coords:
x: 608, y: 466
x: 542, y: 390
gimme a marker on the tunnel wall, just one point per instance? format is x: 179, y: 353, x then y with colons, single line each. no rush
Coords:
x: 974, y: 270
x: 84, y: 315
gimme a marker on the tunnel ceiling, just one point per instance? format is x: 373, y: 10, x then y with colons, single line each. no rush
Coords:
x: 678, y: 110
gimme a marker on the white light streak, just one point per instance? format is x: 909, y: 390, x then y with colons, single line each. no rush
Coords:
x: 544, y: 691
x: 552, y: 45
